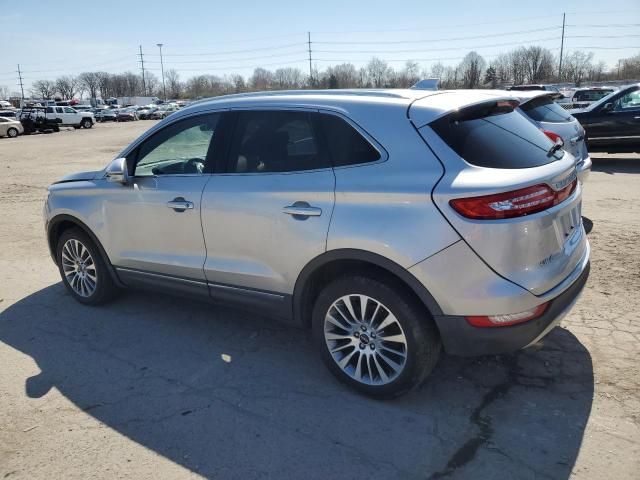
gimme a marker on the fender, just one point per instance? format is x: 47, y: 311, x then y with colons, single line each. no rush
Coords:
x: 362, y: 255
x: 52, y: 229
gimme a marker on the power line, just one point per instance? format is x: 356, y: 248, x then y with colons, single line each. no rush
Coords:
x: 298, y: 52
x: 232, y: 52
x: 449, y: 39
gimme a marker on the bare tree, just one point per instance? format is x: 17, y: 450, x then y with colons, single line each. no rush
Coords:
x: 4, y: 92
x: 437, y: 70
x: 44, y: 89
x: 287, y: 78
x: 173, y: 83
x: 90, y: 81
x: 539, y: 64
x: 261, y: 79
x: 576, y: 66
x: 379, y: 72
x: 67, y: 86
x: 238, y: 82
x: 471, y: 69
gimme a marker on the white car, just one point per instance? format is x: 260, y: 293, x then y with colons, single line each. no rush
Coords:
x: 71, y: 117
x: 10, y: 127
x: 583, y: 97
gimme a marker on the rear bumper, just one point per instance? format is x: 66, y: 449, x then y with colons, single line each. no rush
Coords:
x: 460, y: 338
x: 584, y: 169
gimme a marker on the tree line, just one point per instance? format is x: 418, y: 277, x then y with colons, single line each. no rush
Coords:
x: 524, y: 65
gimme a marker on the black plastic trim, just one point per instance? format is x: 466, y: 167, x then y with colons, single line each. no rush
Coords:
x: 354, y: 254
x: 461, y: 338
x: 52, y: 227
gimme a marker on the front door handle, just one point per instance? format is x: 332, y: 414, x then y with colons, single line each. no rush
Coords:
x: 302, y: 210
x: 179, y: 204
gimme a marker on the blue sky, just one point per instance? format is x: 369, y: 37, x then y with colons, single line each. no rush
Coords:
x: 50, y: 39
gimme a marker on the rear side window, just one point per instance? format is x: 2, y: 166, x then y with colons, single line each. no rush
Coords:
x: 544, y: 109
x: 275, y: 141
x: 504, y: 140
x: 590, y: 95
x: 346, y: 145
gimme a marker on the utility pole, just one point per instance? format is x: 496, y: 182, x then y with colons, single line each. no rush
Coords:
x: 164, y: 89
x: 21, y: 85
x: 561, y: 49
x: 144, y: 84
x: 310, y: 68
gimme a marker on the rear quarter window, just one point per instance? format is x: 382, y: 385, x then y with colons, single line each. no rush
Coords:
x: 346, y: 145
x: 544, y: 109
x: 506, y: 141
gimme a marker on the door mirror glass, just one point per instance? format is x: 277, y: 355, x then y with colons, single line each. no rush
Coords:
x: 117, y: 171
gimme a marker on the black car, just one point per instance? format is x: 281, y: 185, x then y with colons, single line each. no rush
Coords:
x: 612, y: 124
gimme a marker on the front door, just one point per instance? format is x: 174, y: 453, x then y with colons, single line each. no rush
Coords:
x: 153, y: 223
x: 268, y: 215
x: 619, y: 126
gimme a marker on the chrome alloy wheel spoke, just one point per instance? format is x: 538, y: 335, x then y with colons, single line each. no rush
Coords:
x: 365, y: 339
x: 79, y: 268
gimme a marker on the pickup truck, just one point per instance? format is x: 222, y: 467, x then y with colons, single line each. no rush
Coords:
x: 70, y: 117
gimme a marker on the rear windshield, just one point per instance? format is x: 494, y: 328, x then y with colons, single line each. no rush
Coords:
x: 507, y: 140
x: 544, y: 109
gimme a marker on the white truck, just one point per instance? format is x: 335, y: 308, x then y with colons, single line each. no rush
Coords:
x: 70, y: 117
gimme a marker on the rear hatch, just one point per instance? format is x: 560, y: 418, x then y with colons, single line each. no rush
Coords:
x: 551, y: 117
x: 509, y: 193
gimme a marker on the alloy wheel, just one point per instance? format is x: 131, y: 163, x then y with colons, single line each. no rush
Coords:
x: 79, y: 268
x: 365, y: 339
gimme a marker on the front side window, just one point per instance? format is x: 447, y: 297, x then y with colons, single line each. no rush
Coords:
x: 628, y: 101
x: 180, y: 148
x: 275, y: 141
x: 69, y: 110
x: 59, y: 110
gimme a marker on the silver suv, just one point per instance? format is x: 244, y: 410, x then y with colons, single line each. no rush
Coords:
x: 392, y: 223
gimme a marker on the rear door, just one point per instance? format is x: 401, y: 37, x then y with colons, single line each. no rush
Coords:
x: 268, y: 214
x: 500, y: 164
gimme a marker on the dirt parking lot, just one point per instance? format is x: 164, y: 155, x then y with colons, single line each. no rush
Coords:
x: 158, y: 387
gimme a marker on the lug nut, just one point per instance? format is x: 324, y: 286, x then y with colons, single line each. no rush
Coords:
x: 356, y: 334
x: 362, y: 346
x: 372, y: 346
x: 363, y: 328
x: 373, y: 334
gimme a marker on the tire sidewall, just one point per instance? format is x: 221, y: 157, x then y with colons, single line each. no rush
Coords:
x: 416, y: 330
x: 104, y: 281
x: 12, y: 132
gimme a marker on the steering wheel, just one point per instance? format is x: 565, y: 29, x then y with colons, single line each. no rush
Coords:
x: 194, y: 165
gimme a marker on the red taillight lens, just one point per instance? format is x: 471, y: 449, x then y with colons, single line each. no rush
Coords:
x: 554, y: 137
x: 512, y: 204
x: 508, y: 318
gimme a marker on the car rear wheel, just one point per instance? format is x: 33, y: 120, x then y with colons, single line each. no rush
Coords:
x: 82, y: 268
x: 12, y: 132
x: 374, y: 337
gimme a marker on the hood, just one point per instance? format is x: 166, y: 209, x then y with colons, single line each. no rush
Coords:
x: 79, y: 176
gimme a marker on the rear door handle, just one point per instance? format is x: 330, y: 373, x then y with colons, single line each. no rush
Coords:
x: 302, y: 209
x: 179, y: 204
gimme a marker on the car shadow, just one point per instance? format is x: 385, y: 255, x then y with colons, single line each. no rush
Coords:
x: 231, y: 395
x: 612, y: 165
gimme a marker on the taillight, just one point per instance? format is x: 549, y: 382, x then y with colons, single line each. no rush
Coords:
x: 508, y: 318
x: 554, y: 137
x: 512, y: 204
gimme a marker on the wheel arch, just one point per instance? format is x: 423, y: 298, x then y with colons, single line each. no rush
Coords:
x: 335, y: 263
x: 60, y: 223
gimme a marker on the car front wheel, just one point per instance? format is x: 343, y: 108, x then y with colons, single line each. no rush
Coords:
x: 86, y: 123
x: 82, y: 268
x: 374, y: 337
x: 12, y: 132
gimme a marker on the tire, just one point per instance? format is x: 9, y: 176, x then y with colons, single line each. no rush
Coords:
x: 12, y: 132
x: 70, y: 255
x: 86, y: 123
x: 408, y: 320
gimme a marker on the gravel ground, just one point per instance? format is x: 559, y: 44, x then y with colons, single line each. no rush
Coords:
x: 158, y: 387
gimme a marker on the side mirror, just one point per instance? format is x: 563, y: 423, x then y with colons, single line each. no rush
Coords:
x: 117, y: 171
x: 607, y: 107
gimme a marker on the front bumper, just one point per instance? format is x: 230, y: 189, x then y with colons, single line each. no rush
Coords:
x: 461, y: 338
